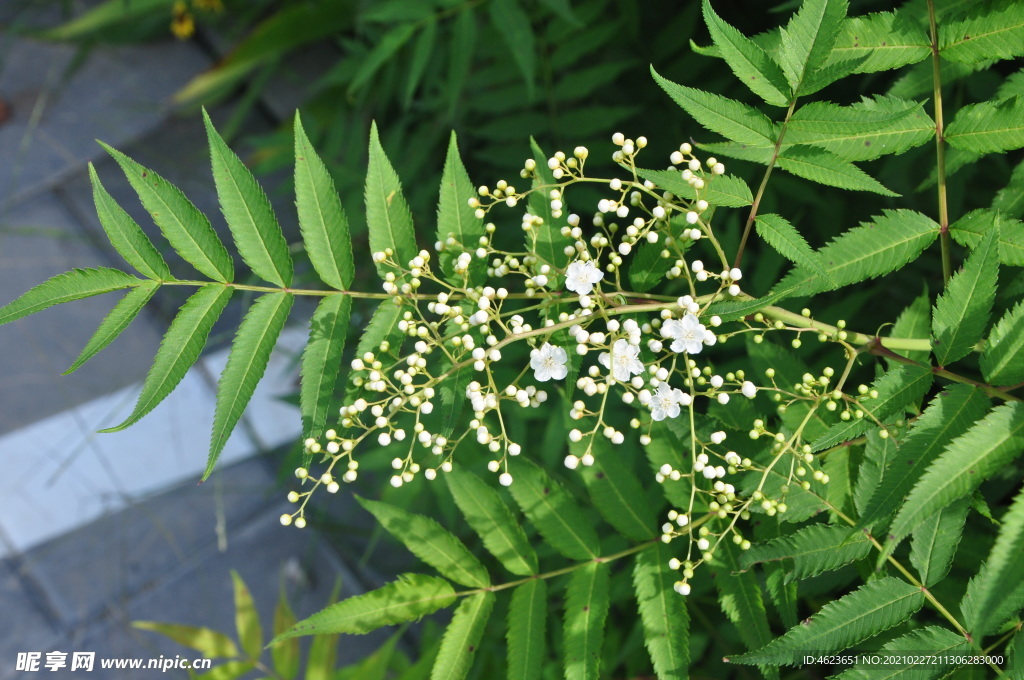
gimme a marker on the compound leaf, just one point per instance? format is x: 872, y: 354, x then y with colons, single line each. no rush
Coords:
x: 751, y: 64
x: 1003, y: 573
x: 321, y: 361
x: 825, y: 167
x: 322, y: 219
x: 456, y: 219
x: 179, y: 348
x: 896, y: 390
x: 430, y: 542
x: 247, y: 211
x: 995, y: 31
x: 247, y: 362
x: 184, y: 226
x: 884, y: 40
x: 527, y: 619
x: 857, y: 616
x: 410, y: 597
x: 126, y: 235
x: 784, y: 238
x: 73, y: 285
x: 462, y: 637
x: 1003, y: 360
x: 387, y: 212
x: 813, y: 550
x: 663, y: 615
x: 116, y: 321
x: 728, y: 117
x: 586, y: 607
x: 962, y: 311
x: 968, y: 461
x: 988, y: 127
x: 948, y: 416
x: 868, y: 251
x: 554, y: 512
x: 492, y: 520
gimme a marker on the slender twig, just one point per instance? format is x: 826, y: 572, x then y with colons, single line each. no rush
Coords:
x: 764, y: 183
x: 940, y: 148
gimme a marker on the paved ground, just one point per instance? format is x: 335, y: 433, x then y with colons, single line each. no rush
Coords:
x: 96, y: 532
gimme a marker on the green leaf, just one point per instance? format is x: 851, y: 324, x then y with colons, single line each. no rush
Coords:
x: 616, y: 492
x: 993, y: 31
x: 384, y: 50
x: 73, y: 285
x: 492, y: 520
x: 1003, y: 609
x: 948, y: 416
x: 527, y: 619
x: 728, y: 117
x: 322, y: 218
x: 210, y: 643
x: 513, y: 25
x: 105, y: 16
x: 914, y: 322
x: 897, y: 389
x: 808, y: 39
x: 666, y: 448
x: 866, y: 130
x: 783, y: 595
x: 126, y: 235
x: 247, y: 211
x: 869, y: 251
x: 321, y: 359
x: 1004, y: 571
x: 663, y: 615
x: 824, y: 167
x: 888, y: 40
x: 1003, y: 360
x: 813, y: 550
x: 116, y: 321
x: 425, y: 45
x: 972, y: 227
x: 724, y: 190
x: 462, y: 637
x: 739, y: 594
x: 935, y: 542
x: 878, y: 456
x: 247, y: 619
x: 988, y: 127
x: 556, y: 514
x: 1010, y: 199
x: 387, y: 213
x: 961, y: 312
x: 784, y: 238
x: 286, y: 655
x: 179, y: 348
x: 430, y: 542
x: 857, y: 616
x: 456, y: 220
x: 751, y: 64
x: 187, y: 229
x: 928, y: 653
x: 460, y: 58
x: 247, y: 362
x: 409, y: 598
x: 969, y: 460
x: 586, y: 608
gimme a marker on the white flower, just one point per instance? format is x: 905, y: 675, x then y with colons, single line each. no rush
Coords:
x: 580, y: 277
x: 666, y: 400
x: 549, y: 362
x: 624, y: 360
x: 688, y: 334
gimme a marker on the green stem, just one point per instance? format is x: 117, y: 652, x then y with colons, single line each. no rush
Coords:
x: 876, y: 348
x: 764, y: 183
x: 940, y: 148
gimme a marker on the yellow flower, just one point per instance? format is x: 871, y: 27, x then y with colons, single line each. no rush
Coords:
x: 183, y: 25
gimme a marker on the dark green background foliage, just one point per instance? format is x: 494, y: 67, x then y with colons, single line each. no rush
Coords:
x: 858, y: 149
